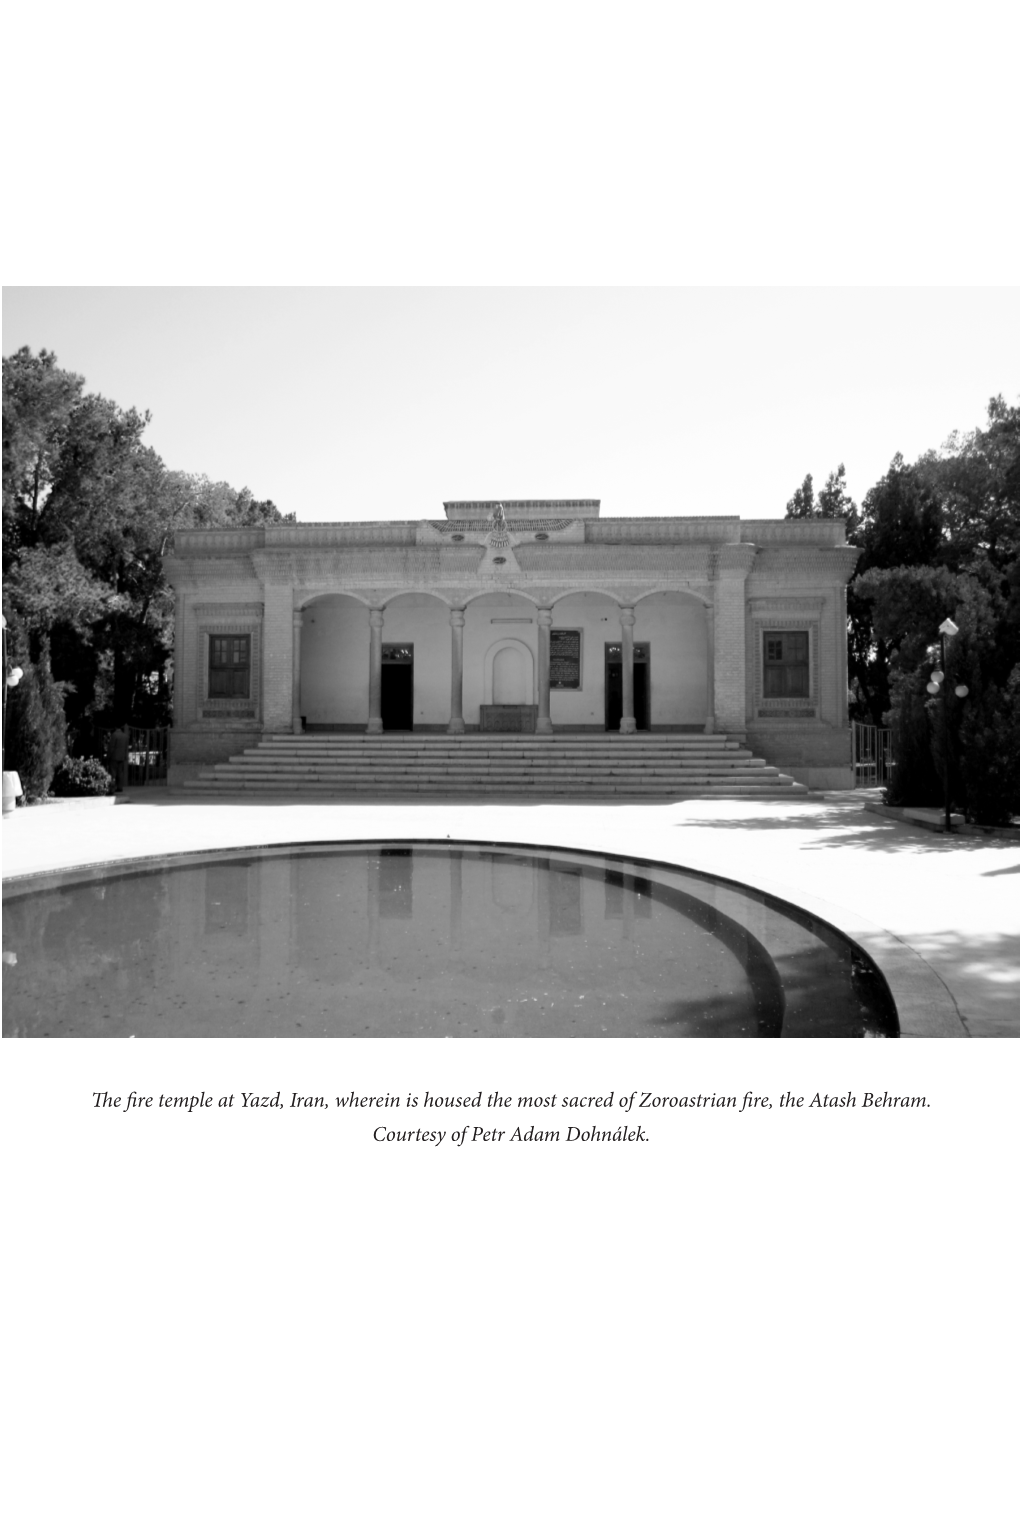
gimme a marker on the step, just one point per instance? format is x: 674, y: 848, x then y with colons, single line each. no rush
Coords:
x: 483, y: 767
x: 460, y: 771
x: 579, y: 755
x: 772, y: 790
x: 616, y: 783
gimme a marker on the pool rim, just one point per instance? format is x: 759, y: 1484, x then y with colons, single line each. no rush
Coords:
x: 924, y: 1006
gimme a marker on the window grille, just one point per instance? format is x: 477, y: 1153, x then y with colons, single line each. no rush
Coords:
x: 229, y: 666
x: 786, y: 669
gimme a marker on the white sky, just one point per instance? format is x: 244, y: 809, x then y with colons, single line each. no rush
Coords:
x: 377, y: 403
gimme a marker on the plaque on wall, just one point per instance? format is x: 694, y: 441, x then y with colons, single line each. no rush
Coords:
x: 564, y: 660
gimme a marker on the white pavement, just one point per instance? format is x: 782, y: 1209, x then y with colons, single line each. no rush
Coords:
x: 941, y: 916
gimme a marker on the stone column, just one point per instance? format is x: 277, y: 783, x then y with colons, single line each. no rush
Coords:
x: 278, y: 659
x: 544, y: 721
x: 730, y: 680
x: 628, y: 722
x: 180, y: 662
x: 375, y: 619
x: 710, y: 666
x: 296, y: 682
x: 456, y: 672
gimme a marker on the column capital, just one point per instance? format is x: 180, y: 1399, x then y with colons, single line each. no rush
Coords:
x: 456, y: 617
x: 544, y: 615
x: 375, y: 616
x: 626, y: 615
x: 734, y: 559
x: 299, y: 616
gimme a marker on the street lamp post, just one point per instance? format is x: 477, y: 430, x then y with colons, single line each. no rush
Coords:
x: 939, y: 682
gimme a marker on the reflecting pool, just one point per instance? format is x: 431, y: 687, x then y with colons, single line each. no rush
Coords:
x: 423, y: 940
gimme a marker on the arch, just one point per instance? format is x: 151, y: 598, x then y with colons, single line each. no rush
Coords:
x: 681, y: 594
x: 509, y: 677
x: 524, y: 669
x: 487, y: 594
x: 677, y: 625
x: 333, y: 660
x: 307, y: 601
x: 417, y: 594
x: 582, y: 589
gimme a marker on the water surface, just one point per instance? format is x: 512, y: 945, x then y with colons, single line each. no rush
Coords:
x: 424, y: 940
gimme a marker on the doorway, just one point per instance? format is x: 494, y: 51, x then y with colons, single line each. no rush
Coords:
x: 614, y: 686
x: 397, y: 695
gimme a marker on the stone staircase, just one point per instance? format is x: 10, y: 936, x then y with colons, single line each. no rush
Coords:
x: 571, y: 766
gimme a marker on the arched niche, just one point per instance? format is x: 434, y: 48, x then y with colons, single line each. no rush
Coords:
x: 510, y: 673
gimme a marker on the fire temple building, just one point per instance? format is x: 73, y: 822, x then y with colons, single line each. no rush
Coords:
x: 530, y: 616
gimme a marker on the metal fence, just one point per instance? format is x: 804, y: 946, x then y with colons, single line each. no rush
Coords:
x: 873, y: 754
x: 147, y: 753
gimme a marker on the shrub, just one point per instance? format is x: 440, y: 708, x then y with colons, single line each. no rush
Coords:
x: 36, y: 739
x: 915, y: 780
x: 990, y: 754
x: 82, y: 777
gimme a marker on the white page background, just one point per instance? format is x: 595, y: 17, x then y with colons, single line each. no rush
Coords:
x: 238, y: 1317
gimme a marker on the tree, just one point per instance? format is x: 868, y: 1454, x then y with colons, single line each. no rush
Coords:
x: 38, y: 400
x: 938, y: 537
x: 89, y: 513
x: 833, y: 501
x: 802, y: 505
x: 35, y: 741
x: 942, y: 538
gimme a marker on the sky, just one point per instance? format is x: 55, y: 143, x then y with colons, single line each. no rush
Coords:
x: 346, y: 403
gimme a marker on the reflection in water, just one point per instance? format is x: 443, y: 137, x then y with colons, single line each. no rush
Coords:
x: 226, y: 899
x: 394, y: 883
x: 425, y: 941
x: 565, y: 916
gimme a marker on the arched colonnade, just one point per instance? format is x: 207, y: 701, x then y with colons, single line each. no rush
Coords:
x: 497, y: 646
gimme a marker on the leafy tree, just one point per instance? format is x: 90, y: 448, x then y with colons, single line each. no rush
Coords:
x: 38, y: 400
x: 89, y: 512
x: 989, y: 743
x: 833, y: 501
x: 938, y: 537
x: 802, y: 505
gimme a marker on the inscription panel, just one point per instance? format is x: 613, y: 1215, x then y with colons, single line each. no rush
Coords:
x: 564, y: 659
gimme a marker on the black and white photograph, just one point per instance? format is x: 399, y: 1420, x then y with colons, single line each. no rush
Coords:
x: 690, y: 758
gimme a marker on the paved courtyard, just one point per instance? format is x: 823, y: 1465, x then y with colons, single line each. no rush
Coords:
x: 940, y: 916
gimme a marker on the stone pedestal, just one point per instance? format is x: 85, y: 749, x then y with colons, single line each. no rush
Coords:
x: 508, y: 719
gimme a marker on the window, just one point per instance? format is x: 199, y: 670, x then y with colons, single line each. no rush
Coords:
x: 229, y: 667
x: 786, y: 670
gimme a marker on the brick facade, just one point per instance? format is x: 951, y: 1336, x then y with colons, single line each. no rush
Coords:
x: 703, y: 591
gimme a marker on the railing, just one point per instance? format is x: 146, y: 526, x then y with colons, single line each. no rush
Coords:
x: 147, y: 755
x: 873, y: 754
